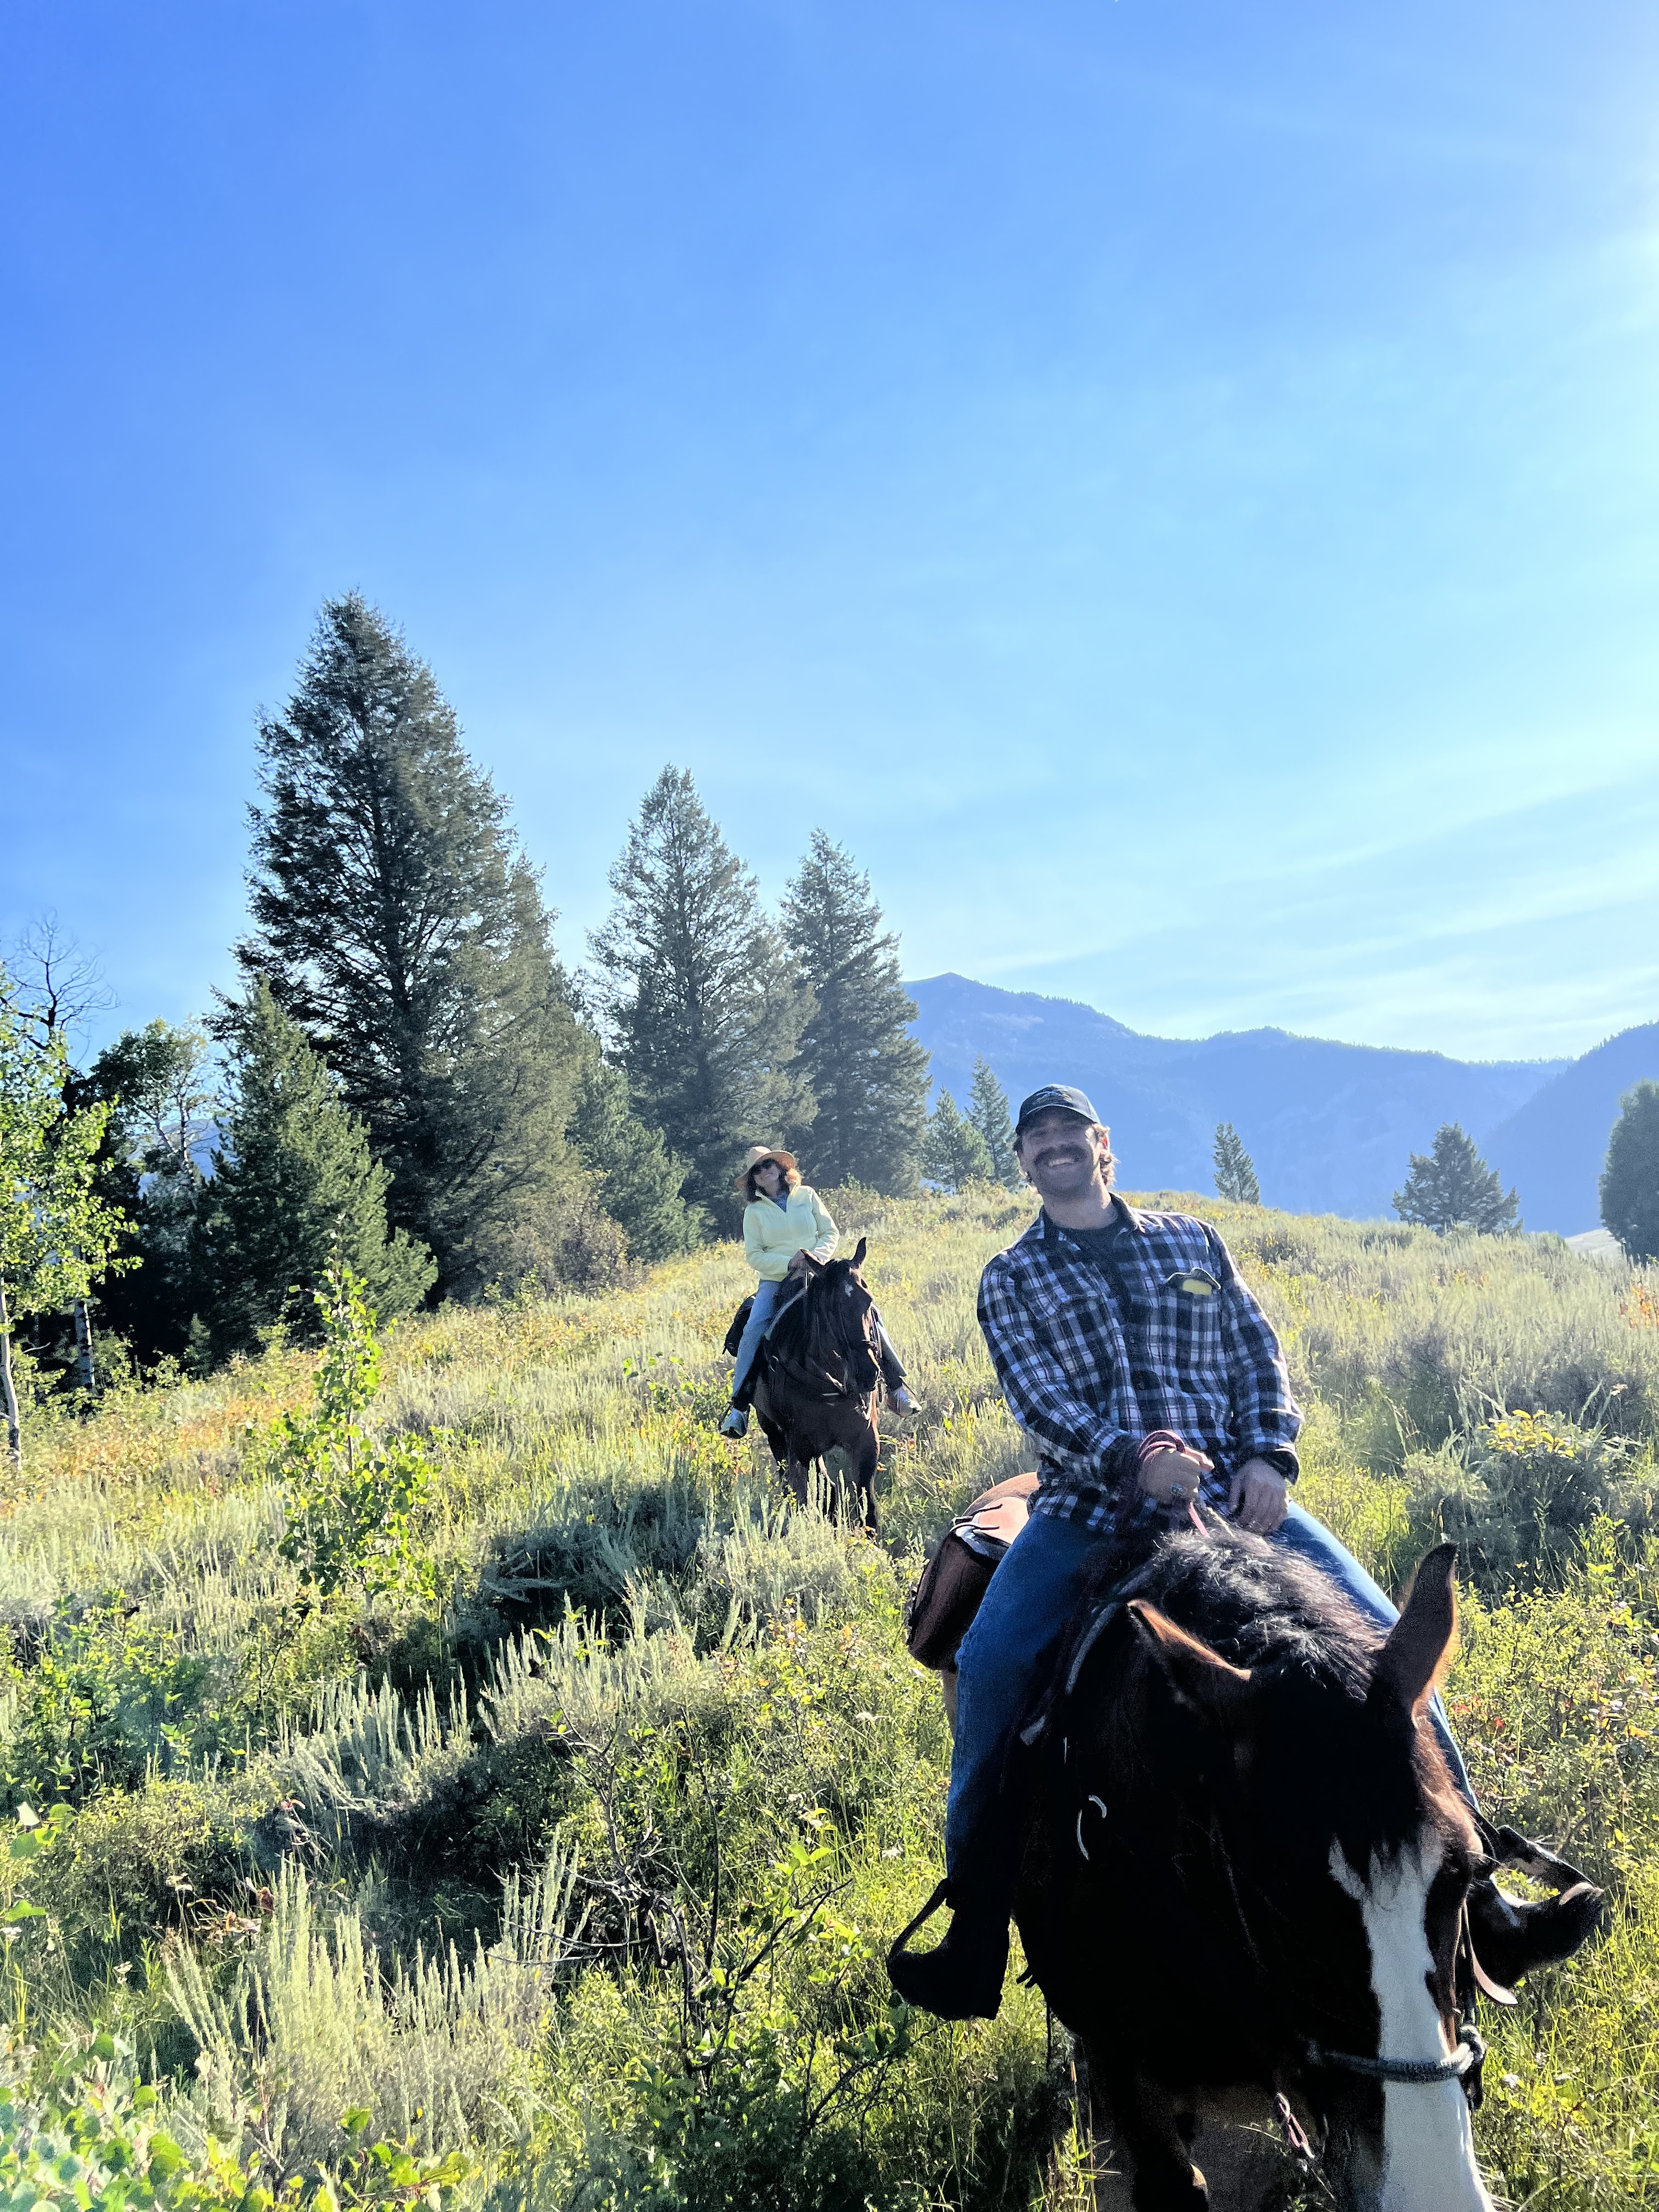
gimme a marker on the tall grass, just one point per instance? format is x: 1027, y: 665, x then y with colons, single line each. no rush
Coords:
x: 586, y: 1866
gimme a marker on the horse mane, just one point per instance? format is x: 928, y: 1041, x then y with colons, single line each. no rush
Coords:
x: 811, y: 1331
x: 1257, y: 1604
x: 1313, y: 1652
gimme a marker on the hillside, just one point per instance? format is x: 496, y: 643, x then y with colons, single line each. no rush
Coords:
x: 1553, y: 1147
x: 563, y: 1868
x: 1330, y: 1127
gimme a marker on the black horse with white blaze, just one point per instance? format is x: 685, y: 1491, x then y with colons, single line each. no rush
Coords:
x: 1245, y: 1873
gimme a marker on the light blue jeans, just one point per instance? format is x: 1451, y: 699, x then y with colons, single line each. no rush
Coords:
x: 749, y: 1344
x: 1016, y: 1637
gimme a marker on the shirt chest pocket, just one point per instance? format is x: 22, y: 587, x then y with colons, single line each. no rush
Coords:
x: 1193, y: 1295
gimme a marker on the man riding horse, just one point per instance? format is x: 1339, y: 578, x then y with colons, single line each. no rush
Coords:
x: 1149, y: 1379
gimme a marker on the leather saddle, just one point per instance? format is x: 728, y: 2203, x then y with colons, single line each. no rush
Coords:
x: 955, y: 1580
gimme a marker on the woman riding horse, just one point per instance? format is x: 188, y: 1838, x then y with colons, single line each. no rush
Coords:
x: 784, y: 1223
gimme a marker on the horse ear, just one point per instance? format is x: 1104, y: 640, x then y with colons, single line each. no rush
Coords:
x: 1422, y: 1641
x: 813, y: 1267
x: 858, y: 1257
x: 1198, y: 1676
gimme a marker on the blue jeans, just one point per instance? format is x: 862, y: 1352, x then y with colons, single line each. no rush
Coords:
x: 749, y: 1344
x: 1016, y: 1637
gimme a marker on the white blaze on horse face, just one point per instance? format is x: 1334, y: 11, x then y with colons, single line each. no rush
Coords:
x: 1428, y: 2147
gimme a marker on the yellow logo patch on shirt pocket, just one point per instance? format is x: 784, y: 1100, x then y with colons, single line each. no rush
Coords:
x: 1194, y: 1281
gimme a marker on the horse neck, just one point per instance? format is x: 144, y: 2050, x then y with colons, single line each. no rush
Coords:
x: 828, y: 1332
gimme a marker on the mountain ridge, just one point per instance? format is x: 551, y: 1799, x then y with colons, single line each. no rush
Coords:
x: 1331, y: 1126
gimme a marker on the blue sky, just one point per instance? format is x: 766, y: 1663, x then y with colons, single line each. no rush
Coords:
x: 1174, y: 488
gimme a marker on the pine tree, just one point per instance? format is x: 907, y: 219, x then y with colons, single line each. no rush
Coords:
x: 701, y: 997
x: 400, y: 925
x: 1234, y: 1170
x: 954, y: 1153
x: 987, y: 1111
x: 295, y: 1191
x: 1451, y: 1186
x: 1629, y: 1182
x: 866, y: 1073
x: 638, y: 1179
x: 157, y: 1082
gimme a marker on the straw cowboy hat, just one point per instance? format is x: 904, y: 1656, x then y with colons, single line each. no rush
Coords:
x: 756, y: 1154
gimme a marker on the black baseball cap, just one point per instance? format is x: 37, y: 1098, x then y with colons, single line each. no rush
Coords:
x: 1056, y: 1098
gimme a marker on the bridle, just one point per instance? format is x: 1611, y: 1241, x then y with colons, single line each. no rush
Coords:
x: 1463, y: 2065
x: 1411, y: 2073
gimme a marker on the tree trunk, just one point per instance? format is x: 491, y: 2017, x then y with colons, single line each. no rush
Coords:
x: 83, y: 1349
x: 14, y: 1426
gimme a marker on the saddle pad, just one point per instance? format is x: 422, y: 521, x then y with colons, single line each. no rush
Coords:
x: 739, y: 1322
x: 943, y: 1602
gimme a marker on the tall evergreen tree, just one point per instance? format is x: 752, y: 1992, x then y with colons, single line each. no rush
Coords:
x: 954, y: 1154
x: 400, y: 925
x: 1234, y: 1170
x: 1451, y: 1186
x: 987, y: 1110
x: 702, y: 1002
x: 638, y: 1179
x: 1629, y: 1182
x: 294, y: 1189
x: 867, y: 1073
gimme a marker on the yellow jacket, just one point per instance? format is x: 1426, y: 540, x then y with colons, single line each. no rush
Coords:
x: 771, y: 1236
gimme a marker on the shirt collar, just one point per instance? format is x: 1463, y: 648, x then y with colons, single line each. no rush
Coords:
x: 1124, y: 1216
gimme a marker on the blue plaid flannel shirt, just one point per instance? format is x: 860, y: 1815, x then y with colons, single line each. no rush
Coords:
x: 1092, y: 1359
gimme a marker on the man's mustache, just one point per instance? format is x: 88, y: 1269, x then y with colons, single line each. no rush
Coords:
x: 1069, y: 1152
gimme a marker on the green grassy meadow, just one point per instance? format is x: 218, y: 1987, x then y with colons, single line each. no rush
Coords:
x: 563, y: 1877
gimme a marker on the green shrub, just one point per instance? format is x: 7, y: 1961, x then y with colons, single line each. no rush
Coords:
x: 1517, y: 1498
x: 81, y: 2132
x: 350, y: 1498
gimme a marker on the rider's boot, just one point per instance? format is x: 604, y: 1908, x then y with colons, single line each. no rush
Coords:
x: 736, y: 1422
x: 960, y: 1978
x: 1511, y: 1938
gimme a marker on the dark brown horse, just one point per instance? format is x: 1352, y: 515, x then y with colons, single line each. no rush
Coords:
x: 815, y: 1378
x: 1245, y: 1873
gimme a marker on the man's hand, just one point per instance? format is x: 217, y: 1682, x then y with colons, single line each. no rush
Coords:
x: 1170, y: 1476
x: 799, y: 1263
x: 1258, y: 1499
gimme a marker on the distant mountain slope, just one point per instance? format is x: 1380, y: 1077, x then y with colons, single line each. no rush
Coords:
x: 1330, y: 1127
x: 1553, y: 1148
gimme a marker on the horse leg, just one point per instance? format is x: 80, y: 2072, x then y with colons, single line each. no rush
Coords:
x: 868, y: 1454
x: 797, y: 1472
x: 1154, y: 2133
